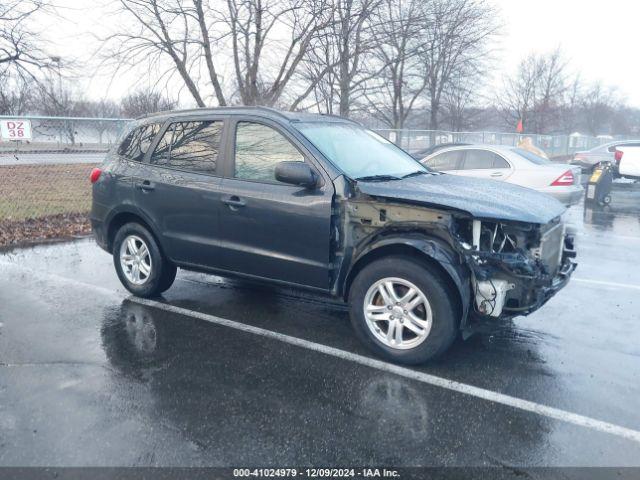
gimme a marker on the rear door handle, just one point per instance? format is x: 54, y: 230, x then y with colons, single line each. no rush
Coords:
x: 146, y: 186
x: 496, y: 174
x: 234, y: 202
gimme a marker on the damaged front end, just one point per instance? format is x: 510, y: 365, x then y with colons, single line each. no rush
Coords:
x: 500, y: 268
x: 515, y: 267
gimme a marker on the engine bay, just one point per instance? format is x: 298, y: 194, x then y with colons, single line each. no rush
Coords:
x: 513, y: 263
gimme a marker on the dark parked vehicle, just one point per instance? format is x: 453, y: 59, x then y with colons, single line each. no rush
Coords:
x: 322, y: 203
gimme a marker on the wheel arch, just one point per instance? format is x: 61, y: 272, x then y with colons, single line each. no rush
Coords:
x: 121, y: 217
x: 432, y: 252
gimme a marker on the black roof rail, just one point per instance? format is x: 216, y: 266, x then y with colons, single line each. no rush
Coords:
x: 187, y: 111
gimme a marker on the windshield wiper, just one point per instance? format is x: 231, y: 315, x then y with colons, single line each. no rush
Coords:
x: 416, y: 173
x: 377, y: 178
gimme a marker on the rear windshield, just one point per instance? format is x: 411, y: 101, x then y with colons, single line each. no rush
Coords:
x: 532, y: 157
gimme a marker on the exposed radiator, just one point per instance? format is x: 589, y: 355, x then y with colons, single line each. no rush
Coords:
x: 551, y: 246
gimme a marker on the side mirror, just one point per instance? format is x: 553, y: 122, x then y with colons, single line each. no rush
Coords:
x: 296, y: 173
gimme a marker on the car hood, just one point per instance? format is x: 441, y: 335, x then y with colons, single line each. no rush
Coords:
x: 480, y: 198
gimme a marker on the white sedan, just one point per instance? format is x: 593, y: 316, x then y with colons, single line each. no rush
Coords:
x: 512, y: 165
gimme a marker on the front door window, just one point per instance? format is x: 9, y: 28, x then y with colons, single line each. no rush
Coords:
x: 259, y: 149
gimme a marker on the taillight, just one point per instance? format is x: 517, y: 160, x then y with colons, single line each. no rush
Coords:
x: 563, y: 180
x: 95, y: 175
x: 618, y: 155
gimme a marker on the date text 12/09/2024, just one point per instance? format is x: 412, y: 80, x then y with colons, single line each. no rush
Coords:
x: 315, y: 472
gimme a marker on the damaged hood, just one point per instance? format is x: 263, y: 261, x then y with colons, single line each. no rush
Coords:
x: 481, y: 198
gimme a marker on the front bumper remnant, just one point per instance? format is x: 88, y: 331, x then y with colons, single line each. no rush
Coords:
x: 509, y: 285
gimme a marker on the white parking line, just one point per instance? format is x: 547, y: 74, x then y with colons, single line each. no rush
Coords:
x: 607, y: 284
x: 434, y: 380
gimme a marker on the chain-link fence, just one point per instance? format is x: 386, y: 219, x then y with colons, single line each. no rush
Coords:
x: 44, y: 174
x: 62, y: 135
x: 45, y: 164
x: 553, y: 145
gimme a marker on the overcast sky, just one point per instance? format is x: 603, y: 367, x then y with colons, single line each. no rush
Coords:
x: 599, y: 38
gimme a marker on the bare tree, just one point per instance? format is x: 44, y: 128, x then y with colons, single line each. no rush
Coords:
x: 569, y: 117
x: 625, y: 120
x: 104, y: 111
x: 457, y: 38
x: 16, y: 95
x: 207, y: 51
x: 267, y: 40
x: 321, y: 76
x: 161, y: 36
x: 337, y: 64
x: 597, y: 108
x: 143, y: 102
x: 402, y: 78
x: 22, y: 50
x: 536, y: 93
x: 457, y: 101
x: 58, y: 100
x: 551, y: 90
x: 518, y: 97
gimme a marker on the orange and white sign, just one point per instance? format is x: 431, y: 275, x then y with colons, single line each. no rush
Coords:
x: 15, y: 129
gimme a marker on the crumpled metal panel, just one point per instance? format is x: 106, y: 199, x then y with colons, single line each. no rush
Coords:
x: 488, y: 199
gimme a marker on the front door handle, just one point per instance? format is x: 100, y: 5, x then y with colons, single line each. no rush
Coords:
x: 496, y: 174
x: 234, y: 202
x: 146, y: 186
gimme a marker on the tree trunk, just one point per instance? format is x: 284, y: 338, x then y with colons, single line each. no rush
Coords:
x: 433, y: 115
x: 345, y: 99
x: 208, y: 54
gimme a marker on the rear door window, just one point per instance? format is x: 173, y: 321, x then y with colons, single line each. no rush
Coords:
x: 446, y: 160
x: 483, y: 159
x: 190, y: 146
x: 136, y: 144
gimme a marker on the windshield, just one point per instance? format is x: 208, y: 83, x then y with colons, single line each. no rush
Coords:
x: 532, y: 157
x: 358, y: 152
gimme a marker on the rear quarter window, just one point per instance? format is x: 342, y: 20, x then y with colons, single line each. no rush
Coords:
x: 190, y: 146
x: 532, y: 157
x: 137, y: 142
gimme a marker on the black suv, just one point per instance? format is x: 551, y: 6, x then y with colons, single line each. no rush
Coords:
x: 322, y: 203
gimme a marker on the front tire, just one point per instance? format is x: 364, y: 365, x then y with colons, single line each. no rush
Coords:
x: 139, y: 263
x: 403, y: 310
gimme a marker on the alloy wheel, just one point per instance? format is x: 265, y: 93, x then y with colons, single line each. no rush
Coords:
x: 397, y: 313
x: 135, y: 260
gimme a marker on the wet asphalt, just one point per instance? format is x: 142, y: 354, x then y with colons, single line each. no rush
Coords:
x: 89, y: 377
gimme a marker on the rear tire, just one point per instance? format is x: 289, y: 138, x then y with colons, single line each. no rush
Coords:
x: 168, y: 277
x: 409, y: 298
x: 139, y: 263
